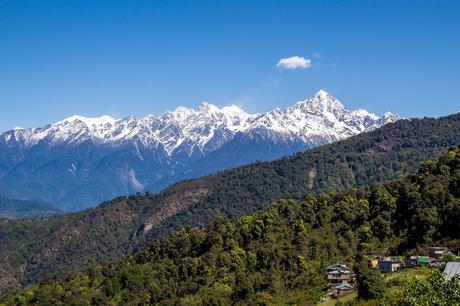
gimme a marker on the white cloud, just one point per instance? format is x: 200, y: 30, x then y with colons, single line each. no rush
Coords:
x: 294, y: 62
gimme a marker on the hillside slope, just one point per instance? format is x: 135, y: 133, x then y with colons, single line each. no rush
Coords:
x: 35, y: 249
x: 16, y: 209
x: 276, y: 253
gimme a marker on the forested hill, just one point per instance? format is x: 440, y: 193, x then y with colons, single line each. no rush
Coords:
x: 279, y: 255
x: 15, y: 209
x: 35, y: 249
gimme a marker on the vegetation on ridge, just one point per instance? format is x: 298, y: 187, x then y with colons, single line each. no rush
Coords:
x: 279, y: 251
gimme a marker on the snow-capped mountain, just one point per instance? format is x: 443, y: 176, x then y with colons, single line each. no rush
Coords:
x: 80, y: 161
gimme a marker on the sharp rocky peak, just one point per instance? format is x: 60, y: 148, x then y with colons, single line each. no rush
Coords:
x: 322, y: 101
x: 322, y: 93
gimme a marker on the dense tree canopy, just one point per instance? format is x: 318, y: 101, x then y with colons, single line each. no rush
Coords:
x: 282, y: 250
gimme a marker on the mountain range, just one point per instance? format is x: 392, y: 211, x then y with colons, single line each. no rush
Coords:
x: 79, y: 162
x: 33, y: 250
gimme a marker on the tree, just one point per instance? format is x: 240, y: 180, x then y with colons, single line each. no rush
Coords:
x: 434, y: 290
x: 243, y: 288
x: 370, y: 283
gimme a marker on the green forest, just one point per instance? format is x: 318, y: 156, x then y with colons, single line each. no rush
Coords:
x: 39, y: 249
x: 282, y: 251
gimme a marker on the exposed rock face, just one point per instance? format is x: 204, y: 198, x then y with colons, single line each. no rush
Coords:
x: 7, y: 282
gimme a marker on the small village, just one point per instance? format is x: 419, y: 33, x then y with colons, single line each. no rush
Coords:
x: 342, y: 281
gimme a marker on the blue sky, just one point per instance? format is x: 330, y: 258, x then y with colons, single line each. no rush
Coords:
x: 63, y: 57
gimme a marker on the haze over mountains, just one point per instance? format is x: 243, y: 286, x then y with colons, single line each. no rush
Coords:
x: 79, y: 162
x: 15, y: 209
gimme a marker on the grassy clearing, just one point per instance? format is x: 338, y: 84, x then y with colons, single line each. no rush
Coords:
x: 396, y: 281
x: 400, y: 278
x: 295, y: 297
x: 330, y: 301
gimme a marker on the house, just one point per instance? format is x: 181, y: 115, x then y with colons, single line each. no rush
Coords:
x: 436, y: 253
x: 343, y: 289
x: 390, y: 264
x: 338, y: 274
x: 423, y: 260
x: 452, y: 268
x: 436, y: 264
x: 373, y: 263
x: 414, y: 261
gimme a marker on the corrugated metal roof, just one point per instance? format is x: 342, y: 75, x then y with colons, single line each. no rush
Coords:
x: 337, y: 267
x: 424, y: 259
x: 344, y: 286
x: 452, y: 269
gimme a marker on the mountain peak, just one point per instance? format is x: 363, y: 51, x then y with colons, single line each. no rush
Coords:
x: 322, y: 93
x: 364, y: 113
x: 322, y: 102
x: 182, y: 110
x: 391, y: 117
x: 89, y: 121
x: 208, y: 107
